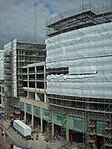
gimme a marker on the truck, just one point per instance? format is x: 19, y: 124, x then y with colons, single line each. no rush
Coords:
x: 22, y: 128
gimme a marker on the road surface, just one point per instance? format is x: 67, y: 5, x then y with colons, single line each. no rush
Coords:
x: 2, y: 143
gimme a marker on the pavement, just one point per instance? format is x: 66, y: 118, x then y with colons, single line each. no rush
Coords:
x: 16, y: 139
x: 2, y: 143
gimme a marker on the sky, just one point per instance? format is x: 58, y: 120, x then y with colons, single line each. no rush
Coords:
x: 25, y: 19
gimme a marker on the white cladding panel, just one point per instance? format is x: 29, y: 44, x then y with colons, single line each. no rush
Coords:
x: 87, y: 52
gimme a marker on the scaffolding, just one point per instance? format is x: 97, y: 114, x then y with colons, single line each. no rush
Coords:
x: 50, y: 123
x: 27, y: 53
x: 8, y: 82
x: 62, y: 66
x: 86, y: 15
x: 18, y: 54
x: 108, y: 131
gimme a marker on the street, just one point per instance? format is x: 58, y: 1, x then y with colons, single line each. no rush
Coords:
x: 14, y: 138
x: 2, y: 143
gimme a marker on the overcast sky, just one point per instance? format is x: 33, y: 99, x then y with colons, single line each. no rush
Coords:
x: 17, y: 17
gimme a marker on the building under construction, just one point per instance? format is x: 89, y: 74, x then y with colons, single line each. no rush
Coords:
x: 16, y: 55
x: 79, y: 78
x: 33, y: 106
x: 1, y: 80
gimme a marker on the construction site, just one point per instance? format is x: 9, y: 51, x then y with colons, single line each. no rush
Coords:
x: 63, y: 89
x: 78, y: 63
x: 16, y: 55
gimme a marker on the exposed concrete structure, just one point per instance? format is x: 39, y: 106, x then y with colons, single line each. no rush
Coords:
x: 78, y: 63
x: 31, y: 117
x: 34, y: 85
x: 79, y: 57
x: 16, y: 55
x: 34, y: 81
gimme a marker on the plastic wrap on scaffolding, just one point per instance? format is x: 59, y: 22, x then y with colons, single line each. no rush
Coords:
x: 14, y: 69
x: 1, y: 64
x: 87, y: 52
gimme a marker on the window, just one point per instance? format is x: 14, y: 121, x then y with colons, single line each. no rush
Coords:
x: 58, y: 71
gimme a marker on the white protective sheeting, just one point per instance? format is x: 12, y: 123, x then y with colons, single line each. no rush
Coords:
x: 1, y: 64
x: 11, y: 47
x: 14, y: 67
x: 87, y: 52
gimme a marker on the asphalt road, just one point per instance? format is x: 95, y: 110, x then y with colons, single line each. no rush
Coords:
x: 12, y: 138
x: 2, y: 143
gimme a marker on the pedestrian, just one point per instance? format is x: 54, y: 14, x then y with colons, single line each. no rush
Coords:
x: 37, y: 137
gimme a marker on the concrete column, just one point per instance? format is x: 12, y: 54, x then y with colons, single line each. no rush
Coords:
x: 35, y: 82
x: 44, y: 83
x: 36, y: 97
x: 45, y: 98
x: 67, y: 129
x: 41, y: 120
x: 32, y: 117
x: 25, y: 112
x: 28, y: 82
x: 52, y: 124
x: 2, y: 101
